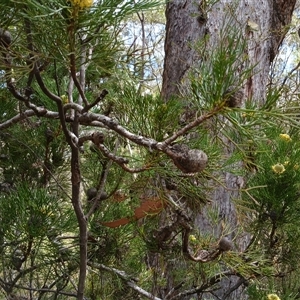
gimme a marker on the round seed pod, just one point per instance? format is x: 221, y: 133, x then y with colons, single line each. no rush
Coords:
x: 103, y: 196
x: 91, y: 193
x: 225, y: 244
x: 5, y: 38
x: 234, y: 99
x: 189, y: 160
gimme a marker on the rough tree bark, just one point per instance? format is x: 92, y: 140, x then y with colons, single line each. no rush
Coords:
x: 264, y: 24
x: 185, y: 26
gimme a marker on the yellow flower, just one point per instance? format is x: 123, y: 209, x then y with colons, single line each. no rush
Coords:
x: 285, y: 137
x: 250, y: 114
x: 45, y: 211
x: 192, y: 238
x: 82, y: 3
x: 65, y: 99
x: 273, y: 297
x: 278, y: 168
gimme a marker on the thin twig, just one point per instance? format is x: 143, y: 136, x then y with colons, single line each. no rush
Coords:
x: 74, y: 77
x: 203, y: 288
x: 98, y: 99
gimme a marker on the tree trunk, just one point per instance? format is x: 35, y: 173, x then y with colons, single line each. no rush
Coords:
x: 263, y: 25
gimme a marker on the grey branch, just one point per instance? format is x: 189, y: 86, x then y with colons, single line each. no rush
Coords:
x: 74, y: 106
x: 188, y: 127
x: 131, y: 282
x: 88, y: 118
x: 26, y: 114
x: 121, y: 161
x: 188, y: 160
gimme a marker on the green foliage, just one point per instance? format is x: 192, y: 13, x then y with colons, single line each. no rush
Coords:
x: 32, y: 223
x: 247, y: 134
x: 33, y: 212
x: 39, y: 236
x: 273, y: 198
x: 39, y: 244
x: 160, y: 119
x: 32, y: 151
x: 217, y: 73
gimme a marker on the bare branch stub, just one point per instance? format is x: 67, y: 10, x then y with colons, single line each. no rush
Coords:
x: 98, y: 138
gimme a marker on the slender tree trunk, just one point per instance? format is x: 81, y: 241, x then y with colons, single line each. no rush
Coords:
x: 263, y: 24
x: 182, y: 31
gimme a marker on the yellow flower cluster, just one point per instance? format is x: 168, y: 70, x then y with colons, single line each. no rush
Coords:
x: 82, y: 3
x: 285, y: 137
x: 278, y: 168
x: 273, y: 297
